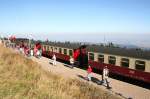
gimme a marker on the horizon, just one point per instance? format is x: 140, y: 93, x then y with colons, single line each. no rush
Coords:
x: 103, y: 40
x: 117, y: 21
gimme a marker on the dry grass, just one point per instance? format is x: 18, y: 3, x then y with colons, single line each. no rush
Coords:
x: 21, y: 78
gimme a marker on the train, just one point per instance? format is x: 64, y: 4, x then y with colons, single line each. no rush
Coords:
x: 132, y: 63
x: 127, y: 62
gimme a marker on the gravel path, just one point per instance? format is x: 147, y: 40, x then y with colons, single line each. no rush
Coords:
x: 124, y: 89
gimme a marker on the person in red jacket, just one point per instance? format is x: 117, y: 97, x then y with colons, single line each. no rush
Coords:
x: 89, y: 73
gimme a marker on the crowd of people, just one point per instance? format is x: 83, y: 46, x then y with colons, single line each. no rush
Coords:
x: 38, y: 53
x: 30, y: 52
x: 25, y: 49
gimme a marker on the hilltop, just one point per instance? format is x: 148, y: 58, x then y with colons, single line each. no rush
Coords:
x: 22, y: 78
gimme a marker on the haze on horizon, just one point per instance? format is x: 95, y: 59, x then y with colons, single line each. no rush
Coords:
x: 118, y: 21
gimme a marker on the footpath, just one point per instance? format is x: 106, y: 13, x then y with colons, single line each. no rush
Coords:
x: 123, y: 89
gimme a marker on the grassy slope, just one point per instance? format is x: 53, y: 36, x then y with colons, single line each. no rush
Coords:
x: 21, y: 78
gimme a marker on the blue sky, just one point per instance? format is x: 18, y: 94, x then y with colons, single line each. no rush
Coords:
x: 85, y: 20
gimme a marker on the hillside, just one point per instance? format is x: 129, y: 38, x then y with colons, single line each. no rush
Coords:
x: 21, y: 78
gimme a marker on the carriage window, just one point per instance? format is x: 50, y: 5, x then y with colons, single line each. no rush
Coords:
x: 125, y: 62
x: 65, y: 51
x: 55, y: 49
x: 140, y: 65
x: 91, y: 56
x: 101, y: 58
x: 52, y: 49
x: 112, y: 60
x: 60, y: 51
x: 70, y: 52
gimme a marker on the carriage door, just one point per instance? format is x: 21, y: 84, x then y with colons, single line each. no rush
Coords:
x: 83, y: 57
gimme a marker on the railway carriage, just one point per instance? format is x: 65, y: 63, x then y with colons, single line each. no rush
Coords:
x: 126, y: 62
x: 64, y: 51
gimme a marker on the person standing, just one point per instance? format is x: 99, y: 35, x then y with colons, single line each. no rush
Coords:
x: 31, y: 52
x: 71, y: 61
x: 105, y: 77
x: 89, y: 73
x: 54, y: 60
x: 38, y: 54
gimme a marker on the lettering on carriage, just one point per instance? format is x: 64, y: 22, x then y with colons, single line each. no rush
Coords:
x: 131, y: 71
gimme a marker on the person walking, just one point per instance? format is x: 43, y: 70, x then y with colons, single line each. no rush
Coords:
x: 105, y: 77
x: 54, y: 60
x: 31, y: 52
x: 38, y: 54
x: 89, y: 73
x: 71, y: 61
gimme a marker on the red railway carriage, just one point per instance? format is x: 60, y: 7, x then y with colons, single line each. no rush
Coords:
x: 79, y: 54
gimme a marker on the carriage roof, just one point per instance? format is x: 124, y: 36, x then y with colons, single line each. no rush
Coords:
x: 127, y: 52
x: 135, y: 53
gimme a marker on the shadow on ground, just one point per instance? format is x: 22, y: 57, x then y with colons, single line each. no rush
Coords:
x: 93, y: 79
x: 51, y: 63
x: 67, y: 65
